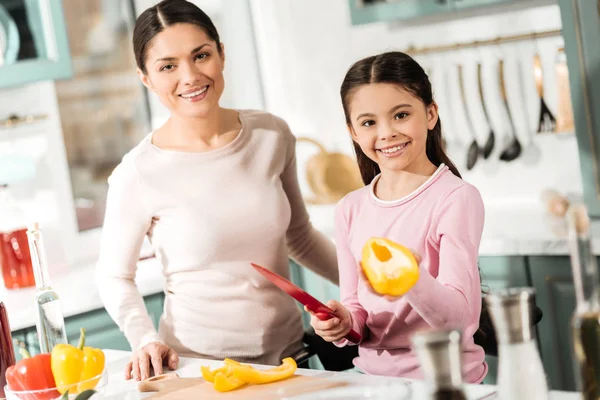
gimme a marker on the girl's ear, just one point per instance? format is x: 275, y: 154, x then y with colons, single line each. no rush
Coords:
x: 352, y: 132
x: 432, y: 115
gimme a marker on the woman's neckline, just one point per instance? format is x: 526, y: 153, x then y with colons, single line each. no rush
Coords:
x: 232, y: 145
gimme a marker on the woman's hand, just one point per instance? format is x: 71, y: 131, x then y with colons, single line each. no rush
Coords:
x: 335, y: 328
x: 363, y: 277
x: 153, y: 354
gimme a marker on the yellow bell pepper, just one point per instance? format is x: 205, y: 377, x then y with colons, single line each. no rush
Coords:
x: 248, y: 374
x: 225, y: 382
x: 209, y: 375
x: 390, y: 268
x: 74, y: 367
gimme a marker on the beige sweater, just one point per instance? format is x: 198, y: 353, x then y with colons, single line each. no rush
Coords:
x: 208, y: 216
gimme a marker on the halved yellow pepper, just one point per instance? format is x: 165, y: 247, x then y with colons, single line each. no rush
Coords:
x: 390, y: 267
x: 248, y: 374
x: 74, y: 367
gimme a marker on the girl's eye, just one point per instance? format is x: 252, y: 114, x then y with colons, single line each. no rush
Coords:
x: 401, y: 115
x: 368, y: 123
x: 201, y: 56
x: 167, y: 67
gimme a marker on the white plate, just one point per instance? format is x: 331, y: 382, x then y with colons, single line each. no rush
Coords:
x: 389, y: 391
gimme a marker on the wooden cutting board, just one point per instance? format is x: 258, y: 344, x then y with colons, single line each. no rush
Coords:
x: 172, y: 387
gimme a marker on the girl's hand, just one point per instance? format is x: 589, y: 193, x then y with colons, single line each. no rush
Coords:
x: 333, y: 329
x: 363, y: 277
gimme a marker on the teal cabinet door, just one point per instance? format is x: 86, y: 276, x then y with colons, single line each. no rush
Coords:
x: 555, y: 294
x: 18, y: 338
x: 365, y: 12
x: 502, y: 272
x: 33, y: 42
x: 581, y: 30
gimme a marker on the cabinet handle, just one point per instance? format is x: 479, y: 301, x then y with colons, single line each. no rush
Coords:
x: 14, y: 120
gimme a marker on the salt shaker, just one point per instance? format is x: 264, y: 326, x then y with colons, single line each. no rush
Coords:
x: 440, y: 357
x: 520, y: 370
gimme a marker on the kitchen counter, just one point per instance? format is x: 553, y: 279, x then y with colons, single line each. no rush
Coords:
x: 509, y: 229
x: 118, y: 388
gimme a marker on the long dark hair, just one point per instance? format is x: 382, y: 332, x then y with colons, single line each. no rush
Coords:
x: 398, y: 69
x: 166, y: 13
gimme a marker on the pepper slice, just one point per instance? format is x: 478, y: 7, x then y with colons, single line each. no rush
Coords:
x: 248, y: 374
x: 226, y: 383
x: 209, y: 375
x: 32, y: 373
x: 74, y: 367
x: 390, y: 268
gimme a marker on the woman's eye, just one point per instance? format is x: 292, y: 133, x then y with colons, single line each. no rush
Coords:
x: 201, y: 56
x: 368, y: 123
x: 401, y: 115
x: 167, y: 67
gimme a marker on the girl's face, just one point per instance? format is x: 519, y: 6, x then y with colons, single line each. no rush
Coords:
x: 390, y: 125
x: 184, y: 68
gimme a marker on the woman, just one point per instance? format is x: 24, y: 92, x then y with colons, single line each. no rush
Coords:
x: 214, y: 189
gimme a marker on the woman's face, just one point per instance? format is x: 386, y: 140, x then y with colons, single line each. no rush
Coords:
x: 184, y: 68
x: 390, y: 125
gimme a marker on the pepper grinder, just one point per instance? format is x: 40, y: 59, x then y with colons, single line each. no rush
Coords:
x: 520, y: 370
x: 440, y: 356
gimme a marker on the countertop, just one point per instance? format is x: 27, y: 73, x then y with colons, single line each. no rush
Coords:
x: 118, y: 388
x: 509, y: 230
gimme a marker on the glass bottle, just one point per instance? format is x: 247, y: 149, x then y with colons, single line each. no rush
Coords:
x: 15, y: 259
x: 50, y: 322
x: 440, y: 356
x: 586, y: 318
x: 520, y: 370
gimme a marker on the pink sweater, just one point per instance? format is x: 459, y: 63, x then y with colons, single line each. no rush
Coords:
x: 443, y: 221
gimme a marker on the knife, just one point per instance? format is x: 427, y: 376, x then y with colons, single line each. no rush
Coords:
x: 321, y: 310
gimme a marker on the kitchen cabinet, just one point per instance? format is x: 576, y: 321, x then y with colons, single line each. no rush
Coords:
x: 33, y: 42
x: 365, y: 12
x: 581, y: 29
x: 555, y: 294
x: 101, y: 331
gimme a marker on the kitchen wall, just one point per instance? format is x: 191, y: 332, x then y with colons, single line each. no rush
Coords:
x: 306, y: 48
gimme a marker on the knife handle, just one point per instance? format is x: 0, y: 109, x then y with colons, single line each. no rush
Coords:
x: 354, y: 336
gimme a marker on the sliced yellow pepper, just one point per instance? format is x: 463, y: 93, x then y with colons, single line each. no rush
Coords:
x: 390, y: 268
x: 248, y: 374
x: 226, y: 383
x: 209, y: 375
x: 73, y: 366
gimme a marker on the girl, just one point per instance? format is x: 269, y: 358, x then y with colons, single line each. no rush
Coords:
x: 414, y: 196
